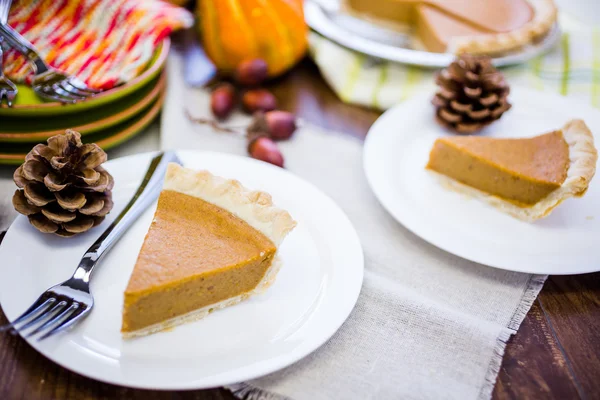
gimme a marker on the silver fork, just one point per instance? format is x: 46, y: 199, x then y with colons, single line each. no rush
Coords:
x: 48, y: 82
x: 69, y: 302
x: 8, y: 89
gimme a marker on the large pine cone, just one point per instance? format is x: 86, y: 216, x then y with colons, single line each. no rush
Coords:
x: 472, y: 94
x: 63, y: 188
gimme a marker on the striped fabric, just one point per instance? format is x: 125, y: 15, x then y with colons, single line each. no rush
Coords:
x: 571, y: 68
x: 103, y: 42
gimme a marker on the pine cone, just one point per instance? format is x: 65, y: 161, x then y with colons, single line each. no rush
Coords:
x: 472, y: 94
x: 62, y: 187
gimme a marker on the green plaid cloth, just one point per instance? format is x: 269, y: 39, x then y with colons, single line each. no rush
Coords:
x: 571, y: 68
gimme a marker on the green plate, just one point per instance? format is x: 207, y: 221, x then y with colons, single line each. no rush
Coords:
x: 35, y: 130
x: 27, y: 104
x: 14, y: 154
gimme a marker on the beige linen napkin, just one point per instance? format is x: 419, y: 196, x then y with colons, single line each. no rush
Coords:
x: 428, y: 325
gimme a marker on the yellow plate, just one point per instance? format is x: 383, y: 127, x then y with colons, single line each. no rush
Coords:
x: 28, y: 104
x: 35, y: 130
x: 15, y: 154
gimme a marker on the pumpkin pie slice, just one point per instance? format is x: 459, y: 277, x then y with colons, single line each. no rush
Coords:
x: 463, y: 26
x: 526, y: 178
x: 212, y: 244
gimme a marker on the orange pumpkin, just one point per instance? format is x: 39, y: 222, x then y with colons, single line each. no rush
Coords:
x: 236, y: 30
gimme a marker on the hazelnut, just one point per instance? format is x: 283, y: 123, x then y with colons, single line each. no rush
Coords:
x: 259, y: 100
x: 251, y: 72
x: 222, y: 100
x: 264, y: 149
x: 281, y: 124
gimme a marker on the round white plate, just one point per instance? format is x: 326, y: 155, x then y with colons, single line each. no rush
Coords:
x: 314, y: 293
x: 396, y: 152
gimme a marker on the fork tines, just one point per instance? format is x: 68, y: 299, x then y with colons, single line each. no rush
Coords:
x: 51, y: 313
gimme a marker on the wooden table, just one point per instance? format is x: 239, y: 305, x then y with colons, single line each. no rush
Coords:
x: 555, y: 354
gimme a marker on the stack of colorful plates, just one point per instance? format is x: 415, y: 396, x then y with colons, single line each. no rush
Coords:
x: 107, y: 119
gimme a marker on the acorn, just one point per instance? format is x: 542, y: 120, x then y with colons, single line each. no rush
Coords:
x: 264, y: 149
x: 259, y: 100
x: 222, y: 100
x: 251, y: 72
x: 278, y: 125
x: 282, y: 124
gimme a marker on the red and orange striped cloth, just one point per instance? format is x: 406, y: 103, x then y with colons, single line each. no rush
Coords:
x: 103, y: 42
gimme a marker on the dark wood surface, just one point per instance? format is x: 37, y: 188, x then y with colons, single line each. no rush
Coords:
x: 555, y: 354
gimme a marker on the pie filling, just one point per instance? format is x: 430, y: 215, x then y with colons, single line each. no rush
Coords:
x: 433, y: 27
x: 437, y: 22
x: 195, y: 254
x: 522, y: 171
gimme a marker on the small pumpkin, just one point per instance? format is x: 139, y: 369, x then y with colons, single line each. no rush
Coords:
x: 236, y: 30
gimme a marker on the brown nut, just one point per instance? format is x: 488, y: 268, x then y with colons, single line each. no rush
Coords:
x: 282, y: 124
x: 259, y: 100
x: 222, y: 100
x: 251, y: 72
x: 264, y: 149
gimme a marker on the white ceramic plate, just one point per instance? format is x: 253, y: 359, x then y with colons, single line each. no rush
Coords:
x: 397, y: 149
x: 314, y: 293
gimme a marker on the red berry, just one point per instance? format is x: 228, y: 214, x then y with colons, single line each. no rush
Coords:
x: 282, y: 124
x: 265, y: 149
x: 259, y: 100
x: 251, y: 72
x: 222, y: 100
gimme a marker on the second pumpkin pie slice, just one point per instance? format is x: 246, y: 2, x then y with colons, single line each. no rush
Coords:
x: 525, y: 177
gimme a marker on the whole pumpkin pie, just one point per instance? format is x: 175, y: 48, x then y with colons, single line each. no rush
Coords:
x: 464, y: 26
x: 212, y: 244
x: 526, y: 177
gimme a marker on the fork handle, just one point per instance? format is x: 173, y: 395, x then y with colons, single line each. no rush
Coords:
x: 145, y: 195
x: 24, y: 47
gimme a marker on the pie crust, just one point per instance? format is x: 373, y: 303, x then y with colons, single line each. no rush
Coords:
x: 582, y: 167
x: 254, y: 207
